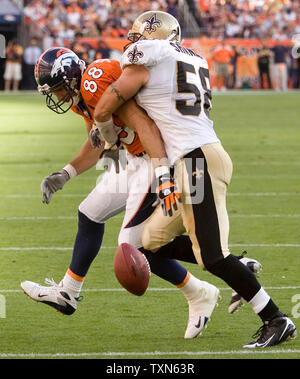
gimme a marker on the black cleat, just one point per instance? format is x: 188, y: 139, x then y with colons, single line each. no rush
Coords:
x: 274, y: 332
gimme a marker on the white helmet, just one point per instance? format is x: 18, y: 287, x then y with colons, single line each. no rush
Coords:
x: 155, y: 25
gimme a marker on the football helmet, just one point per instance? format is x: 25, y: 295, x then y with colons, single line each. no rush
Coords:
x: 57, y: 69
x: 155, y: 25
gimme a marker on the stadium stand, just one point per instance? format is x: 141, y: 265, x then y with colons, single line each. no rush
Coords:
x: 88, y: 27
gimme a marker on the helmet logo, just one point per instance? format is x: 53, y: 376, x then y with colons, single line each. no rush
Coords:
x: 152, y: 24
x: 61, y: 51
x: 134, y: 55
x: 64, y: 59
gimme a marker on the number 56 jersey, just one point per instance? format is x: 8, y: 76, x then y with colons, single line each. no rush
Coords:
x: 177, y: 96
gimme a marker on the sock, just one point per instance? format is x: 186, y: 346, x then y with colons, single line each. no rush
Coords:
x: 259, y: 301
x: 190, y: 287
x: 87, y: 244
x: 167, y: 269
x: 264, y: 306
x: 73, y: 283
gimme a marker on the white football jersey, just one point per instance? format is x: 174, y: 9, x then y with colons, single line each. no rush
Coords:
x: 177, y: 95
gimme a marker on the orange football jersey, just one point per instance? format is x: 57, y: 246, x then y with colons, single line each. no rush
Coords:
x: 95, y: 79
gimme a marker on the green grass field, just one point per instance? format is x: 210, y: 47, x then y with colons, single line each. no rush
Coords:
x: 260, y: 131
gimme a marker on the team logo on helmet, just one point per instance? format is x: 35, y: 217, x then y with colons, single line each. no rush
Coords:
x: 64, y: 59
x: 134, y: 55
x: 152, y: 24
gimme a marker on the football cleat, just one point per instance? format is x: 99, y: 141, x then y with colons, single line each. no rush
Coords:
x: 53, y: 295
x: 273, y: 332
x: 200, y: 310
x: 236, y: 300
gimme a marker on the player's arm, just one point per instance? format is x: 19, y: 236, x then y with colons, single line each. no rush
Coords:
x: 137, y: 119
x: 87, y: 156
x: 116, y: 97
x: 113, y: 101
x: 128, y: 84
x: 84, y: 160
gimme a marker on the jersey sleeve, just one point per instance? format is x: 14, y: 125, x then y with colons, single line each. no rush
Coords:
x: 96, y: 78
x: 147, y: 53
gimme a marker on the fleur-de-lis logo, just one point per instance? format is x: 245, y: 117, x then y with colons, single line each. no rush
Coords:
x: 152, y: 24
x: 134, y: 55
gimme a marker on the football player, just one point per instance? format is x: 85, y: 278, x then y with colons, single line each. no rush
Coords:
x: 67, y: 84
x: 172, y: 84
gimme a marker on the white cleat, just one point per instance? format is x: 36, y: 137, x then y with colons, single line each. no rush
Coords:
x: 200, y: 309
x: 236, y: 300
x: 53, y: 295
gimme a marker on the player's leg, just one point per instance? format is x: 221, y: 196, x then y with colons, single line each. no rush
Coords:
x: 201, y: 296
x: 208, y: 227
x: 106, y: 200
x: 139, y: 207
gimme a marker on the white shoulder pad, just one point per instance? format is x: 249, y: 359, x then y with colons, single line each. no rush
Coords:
x: 146, y: 53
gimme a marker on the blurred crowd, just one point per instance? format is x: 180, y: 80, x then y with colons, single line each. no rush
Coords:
x: 64, y: 22
x: 277, y: 67
x: 61, y: 21
x: 269, y: 19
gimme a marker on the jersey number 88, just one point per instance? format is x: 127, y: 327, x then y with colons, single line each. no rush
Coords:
x: 91, y: 85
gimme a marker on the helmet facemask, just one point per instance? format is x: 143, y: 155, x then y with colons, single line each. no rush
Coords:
x: 63, y: 104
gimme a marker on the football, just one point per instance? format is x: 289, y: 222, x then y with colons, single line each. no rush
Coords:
x: 132, y: 269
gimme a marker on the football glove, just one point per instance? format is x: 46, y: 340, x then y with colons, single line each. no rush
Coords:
x: 167, y: 192
x: 103, y: 131
x: 95, y: 137
x: 111, y: 155
x: 53, y: 183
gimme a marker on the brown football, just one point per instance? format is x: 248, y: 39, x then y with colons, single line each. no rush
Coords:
x: 132, y: 269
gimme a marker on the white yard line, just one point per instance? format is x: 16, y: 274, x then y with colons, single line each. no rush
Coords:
x: 152, y: 289
x: 147, y: 354
x: 234, y: 215
x: 58, y: 248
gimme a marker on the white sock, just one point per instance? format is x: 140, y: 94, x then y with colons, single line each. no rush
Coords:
x: 259, y: 301
x: 72, y: 283
x: 190, y: 287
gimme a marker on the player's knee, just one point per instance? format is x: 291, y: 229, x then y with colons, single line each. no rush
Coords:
x: 88, y: 210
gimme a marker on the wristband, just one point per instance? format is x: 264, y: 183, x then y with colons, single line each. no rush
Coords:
x: 162, y: 170
x: 70, y: 170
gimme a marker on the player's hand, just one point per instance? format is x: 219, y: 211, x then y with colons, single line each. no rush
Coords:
x: 95, y: 137
x: 168, y: 193
x: 53, y: 183
x: 111, y: 155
